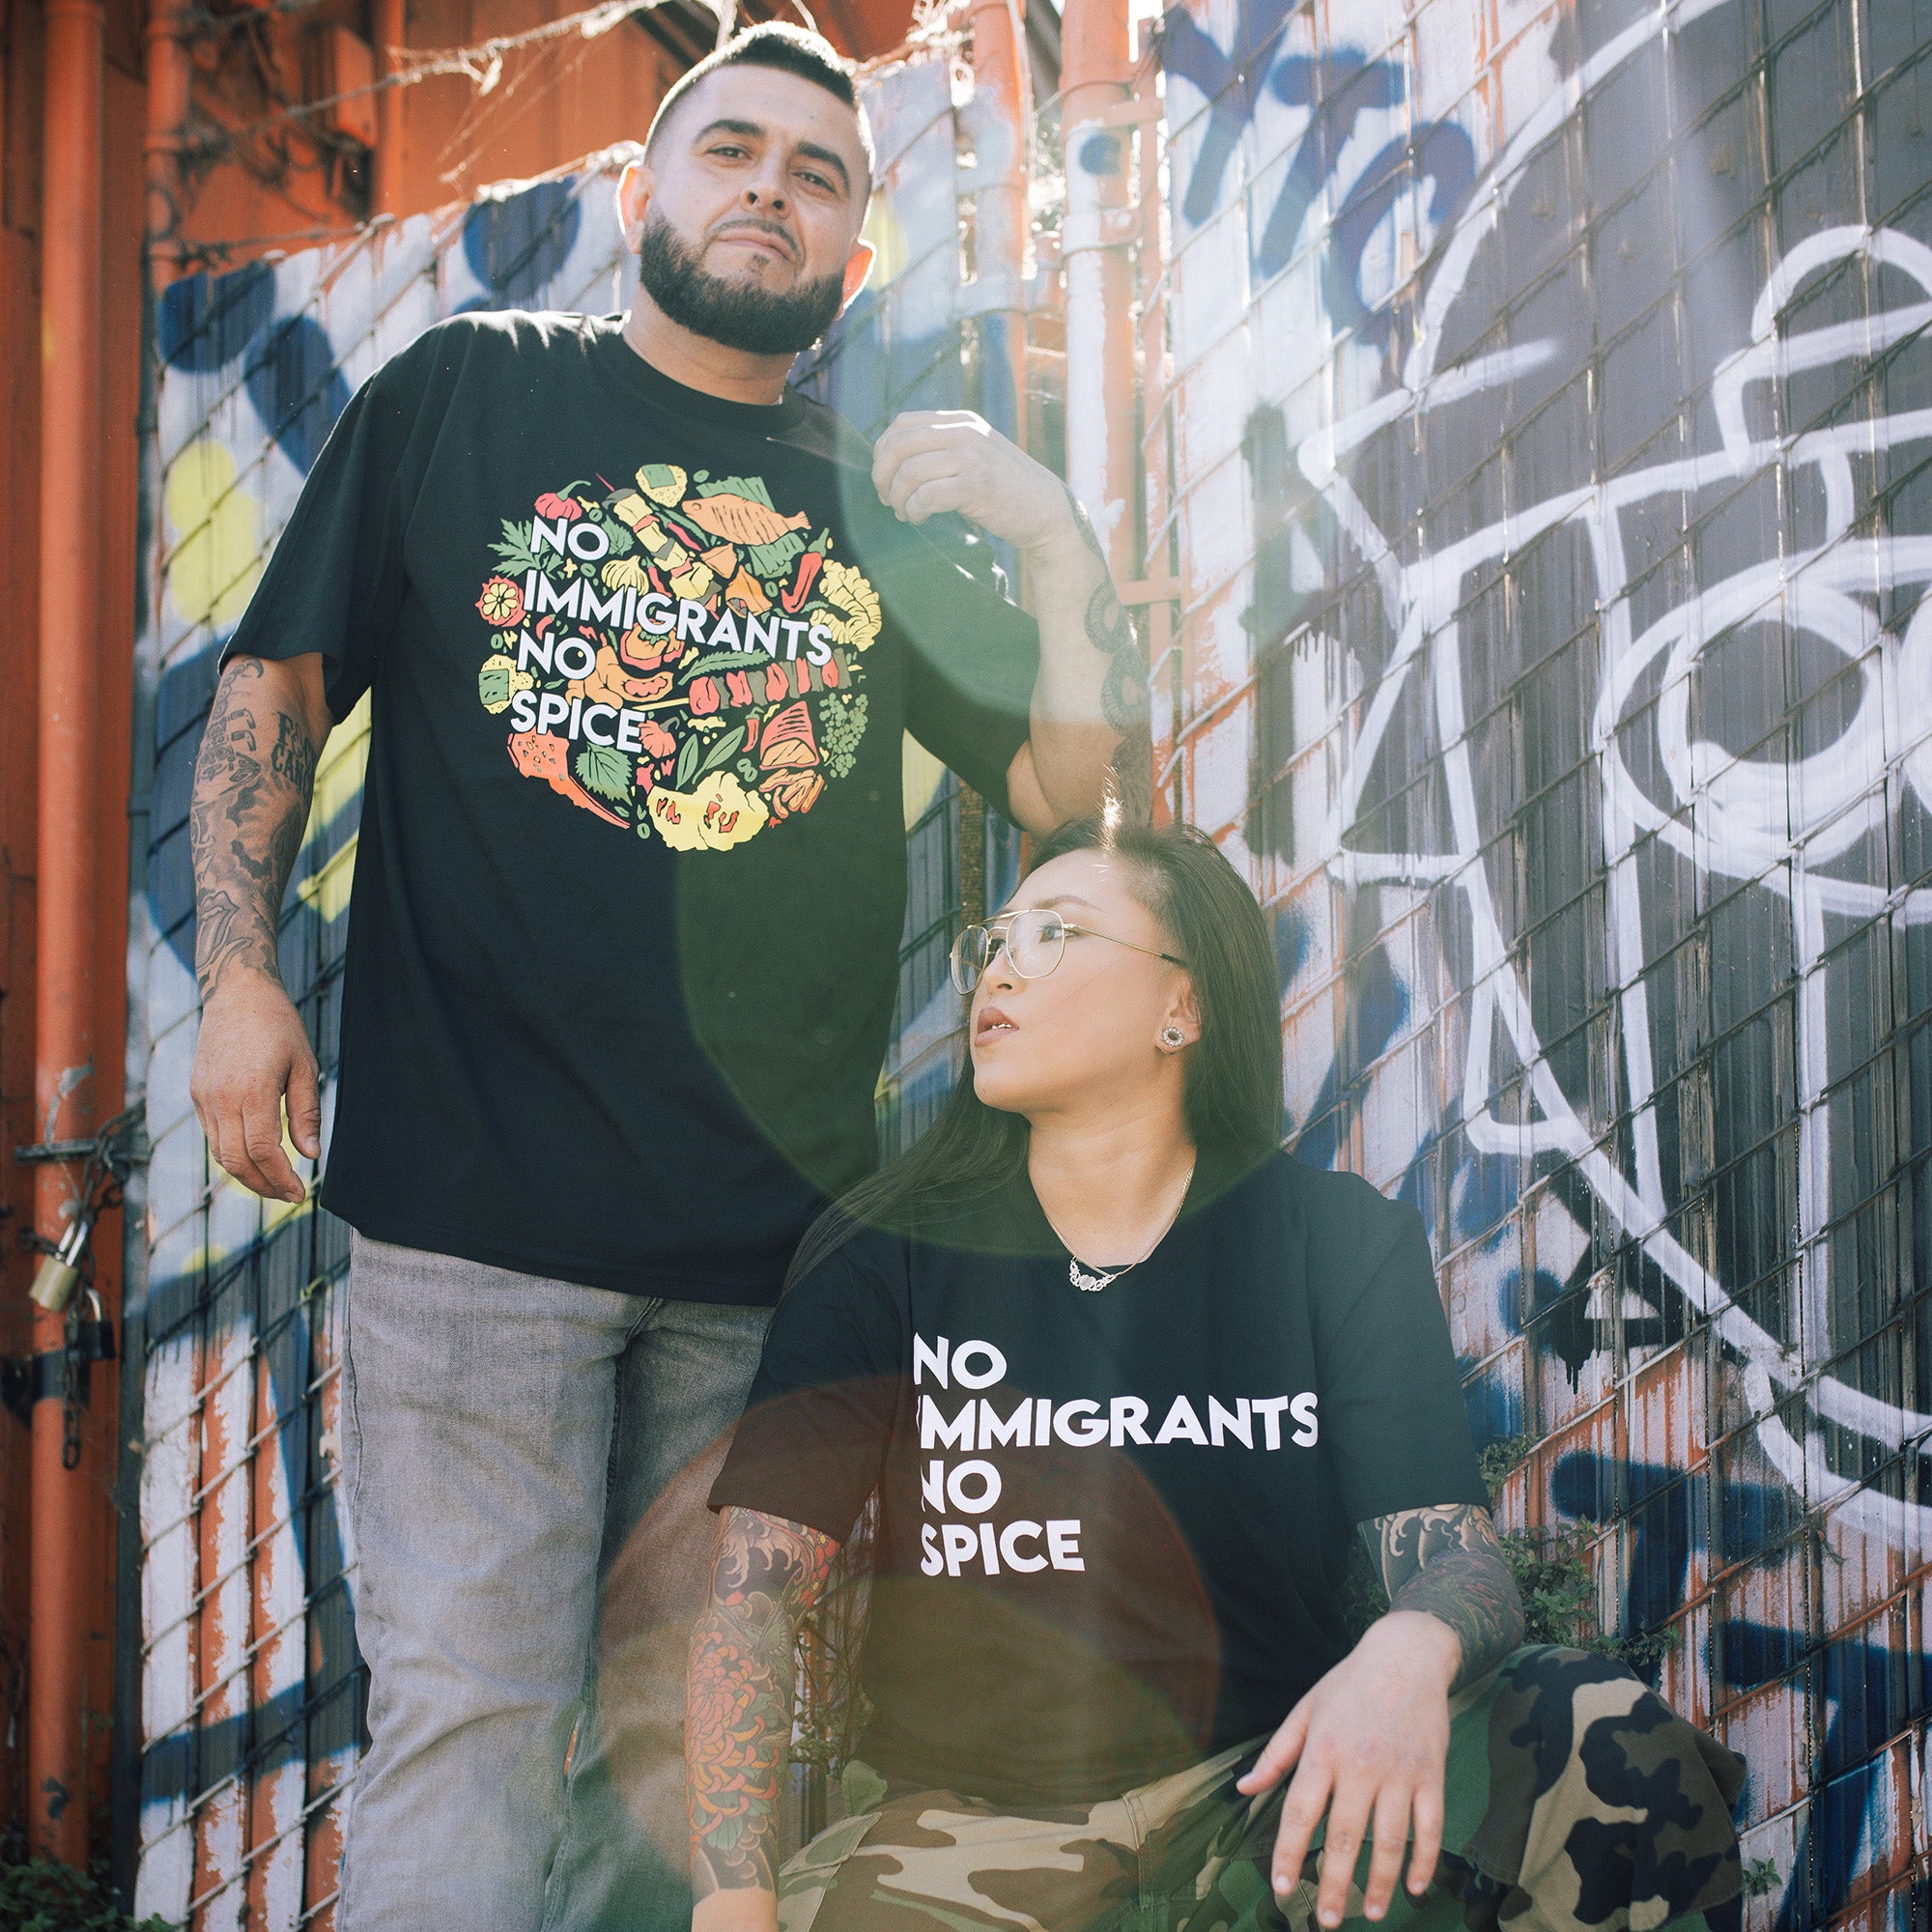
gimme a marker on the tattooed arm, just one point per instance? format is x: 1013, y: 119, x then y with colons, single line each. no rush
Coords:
x: 1089, y: 704
x: 1369, y: 1745
x: 1447, y: 1562
x: 253, y: 782
x: 766, y: 1575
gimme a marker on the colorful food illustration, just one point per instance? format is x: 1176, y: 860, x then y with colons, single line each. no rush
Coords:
x: 676, y: 655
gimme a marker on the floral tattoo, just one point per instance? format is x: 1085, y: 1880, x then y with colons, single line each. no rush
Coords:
x: 1447, y: 1562
x: 768, y: 1575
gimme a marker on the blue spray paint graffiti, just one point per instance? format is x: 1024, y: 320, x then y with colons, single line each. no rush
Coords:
x: 1555, y: 664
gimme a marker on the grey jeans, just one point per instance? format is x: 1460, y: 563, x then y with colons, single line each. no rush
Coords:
x: 526, y: 1467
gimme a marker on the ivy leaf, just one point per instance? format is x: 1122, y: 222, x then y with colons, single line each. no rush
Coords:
x: 722, y: 749
x: 688, y: 755
x: 604, y: 771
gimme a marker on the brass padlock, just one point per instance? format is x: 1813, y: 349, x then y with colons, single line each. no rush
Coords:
x: 59, y: 1274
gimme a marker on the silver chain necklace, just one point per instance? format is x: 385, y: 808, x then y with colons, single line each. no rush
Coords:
x: 1091, y: 1281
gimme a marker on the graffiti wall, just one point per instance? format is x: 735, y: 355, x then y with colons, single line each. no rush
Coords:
x: 252, y: 1688
x: 1541, y: 456
x: 1550, y: 420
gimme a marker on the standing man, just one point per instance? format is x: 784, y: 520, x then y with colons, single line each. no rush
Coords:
x: 642, y: 629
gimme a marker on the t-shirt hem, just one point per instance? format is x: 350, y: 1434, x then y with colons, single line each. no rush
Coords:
x: 1394, y: 1501
x: 725, y: 1495
x: 640, y: 1278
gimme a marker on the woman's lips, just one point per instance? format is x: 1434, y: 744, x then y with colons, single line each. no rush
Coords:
x: 991, y: 1023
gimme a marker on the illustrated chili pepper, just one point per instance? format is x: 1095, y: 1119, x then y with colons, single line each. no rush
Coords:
x: 808, y: 567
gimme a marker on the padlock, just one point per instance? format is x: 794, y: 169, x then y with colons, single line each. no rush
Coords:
x: 59, y: 1274
x: 93, y: 1333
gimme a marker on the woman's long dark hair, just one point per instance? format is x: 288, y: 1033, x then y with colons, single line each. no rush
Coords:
x: 1233, y: 1070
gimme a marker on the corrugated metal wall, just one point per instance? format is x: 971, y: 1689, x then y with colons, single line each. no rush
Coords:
x: 1539, y: 453
x: 1548, y: 424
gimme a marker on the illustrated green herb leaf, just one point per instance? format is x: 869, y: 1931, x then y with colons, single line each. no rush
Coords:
x: 722, y: 660
x: 772, y: 560
x: 514, y: 548
x: 604, y: 771
x: 722, y: 749
x: 688, y: 755
x: 752, y: 487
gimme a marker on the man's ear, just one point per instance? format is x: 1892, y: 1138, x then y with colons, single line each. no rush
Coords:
x: 858, y: 266
x: 634, y: 197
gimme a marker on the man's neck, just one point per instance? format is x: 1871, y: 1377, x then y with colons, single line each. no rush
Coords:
x: 697, y: 362
x: 1110, y: 1178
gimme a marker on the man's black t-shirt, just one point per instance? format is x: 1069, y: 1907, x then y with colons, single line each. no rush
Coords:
x: 631, y: 870
x: 1112, y: 1526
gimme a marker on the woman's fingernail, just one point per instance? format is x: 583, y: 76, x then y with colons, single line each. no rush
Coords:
x: 1281, y: 1881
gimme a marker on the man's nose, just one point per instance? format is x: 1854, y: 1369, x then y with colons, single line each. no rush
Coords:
x: 768, y: 190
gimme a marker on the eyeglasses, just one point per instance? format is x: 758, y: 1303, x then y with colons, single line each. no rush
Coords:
x: 1034, y: 941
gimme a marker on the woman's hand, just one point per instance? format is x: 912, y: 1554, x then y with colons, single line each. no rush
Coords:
x: 1368, y: 1746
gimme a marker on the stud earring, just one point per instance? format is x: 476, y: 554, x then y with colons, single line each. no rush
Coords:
x: 1171, y: 1036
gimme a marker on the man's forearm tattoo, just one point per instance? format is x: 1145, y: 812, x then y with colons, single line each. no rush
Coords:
x: 254, y: 777
x: 1123, y: 684
x: 766, y: 1577
x: 1448, y: 1562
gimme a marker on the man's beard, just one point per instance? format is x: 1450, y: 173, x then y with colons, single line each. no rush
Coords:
x: 761, y: 321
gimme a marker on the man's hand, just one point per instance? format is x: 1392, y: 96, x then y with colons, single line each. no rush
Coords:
x: 931, y: 461
x: 1369, y: 1745
x: 1090, y: 702
x: 251, y: 1050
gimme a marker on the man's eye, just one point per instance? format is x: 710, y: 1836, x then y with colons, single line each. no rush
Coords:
x: 816, y: 180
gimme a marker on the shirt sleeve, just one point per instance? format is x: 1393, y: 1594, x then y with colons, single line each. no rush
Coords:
x: 972, y: 660
x: 820, y: 1416
x: 1392, y: 1416
x: 334, y: 584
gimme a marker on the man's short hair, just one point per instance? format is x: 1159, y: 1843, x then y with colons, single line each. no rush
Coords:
x: 790, y: 49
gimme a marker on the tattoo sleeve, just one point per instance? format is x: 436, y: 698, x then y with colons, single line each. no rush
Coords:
x: 1447, y: 1562
x: 253, y: 782
x: 767, y: 1575
x: 1124, y: 687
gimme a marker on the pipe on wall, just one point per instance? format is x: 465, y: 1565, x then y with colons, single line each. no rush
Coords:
x: 391, y: 26
x: 168, y: 74
x: 66, y: 1502
x: 1102, y: 450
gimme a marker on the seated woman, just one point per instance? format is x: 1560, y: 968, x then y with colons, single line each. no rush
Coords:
x: 1125, y: 1380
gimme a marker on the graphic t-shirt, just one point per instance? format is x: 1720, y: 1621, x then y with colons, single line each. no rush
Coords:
x: 631, y: 871
x: 1112, y: 1527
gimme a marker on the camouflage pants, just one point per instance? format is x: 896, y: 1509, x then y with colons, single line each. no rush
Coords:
x: 1576, y: 1799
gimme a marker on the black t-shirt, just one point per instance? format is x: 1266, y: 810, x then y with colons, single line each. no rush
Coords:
x: 1112, y: 1527
x: 630, y: 873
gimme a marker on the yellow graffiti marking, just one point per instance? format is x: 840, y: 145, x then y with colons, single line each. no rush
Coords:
x: 213, y: 568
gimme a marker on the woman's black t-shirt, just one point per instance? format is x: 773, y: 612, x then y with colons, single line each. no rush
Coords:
x: 1112, y: 1526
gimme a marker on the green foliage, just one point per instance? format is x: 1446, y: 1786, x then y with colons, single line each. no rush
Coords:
x: 1762, y: 1878
x: 1503, y: 1455
x: 43, y: 1895
x: 1554, y: 1573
